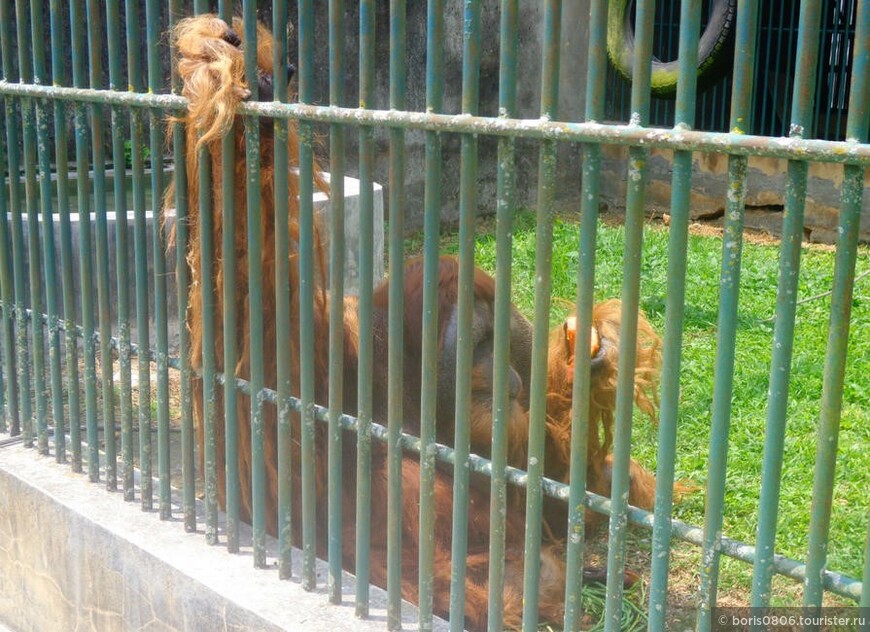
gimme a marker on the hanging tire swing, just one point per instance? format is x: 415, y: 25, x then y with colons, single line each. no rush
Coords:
x: 713, y: 48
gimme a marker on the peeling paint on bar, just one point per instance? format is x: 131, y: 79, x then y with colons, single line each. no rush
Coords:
x: 589, y: 132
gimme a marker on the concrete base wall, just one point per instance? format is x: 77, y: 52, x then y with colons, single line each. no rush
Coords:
x: 74, y: 557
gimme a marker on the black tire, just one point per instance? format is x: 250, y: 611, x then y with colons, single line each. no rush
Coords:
x: 714, y: 47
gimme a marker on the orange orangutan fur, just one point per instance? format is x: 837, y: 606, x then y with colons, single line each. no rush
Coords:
x: 210, y: 67
x: 212, y: 70
x: 606, y: 319
x: 213, y: 79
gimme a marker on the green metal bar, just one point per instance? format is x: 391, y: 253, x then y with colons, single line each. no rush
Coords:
x: 634, y: 215
x: 841, y: 308
x: 37, y: 335
x: 723, y: 385
x: 49, y: 252
x: 255, y: 292
x: 505, y: 209
x: 467, y: 212
x: 152, y: 26
x: 541, y: 325
x: 182, y: 282
x: 18, y: 251
x: 95, y: 50
x: 786, y: 302
x: 206, y: 231
x: 66, y: 263
x: 594, y: 111
x: 591, y: 132
x: 140, y: 247
x: 306, y: 294
x: 229, y: 263
x: 283, y: 306
x: 849, y: 34
x: 336, y: 304
x: 429, y: 361
x: 7, y: 289
x: 2, y: 382
x: 789, y: 63
x: 836, y: 583
x: 364, y: 314
x: 729, y: 283
x: 113, y: 32
x: 398, y: 75
x: 206, y: 272
x: 745, y: 56
x: 827, y: 33
x: 78, y: 20
x: 684, y: 118
x: 779, y: 48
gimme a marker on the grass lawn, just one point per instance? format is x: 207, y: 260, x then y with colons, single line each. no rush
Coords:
x: 753, y: 353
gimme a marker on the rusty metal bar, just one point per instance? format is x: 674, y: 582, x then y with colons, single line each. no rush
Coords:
x: 589, y: 132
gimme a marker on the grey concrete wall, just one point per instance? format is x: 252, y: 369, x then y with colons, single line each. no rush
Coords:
x: 572, y: 85
x: 574, y: 34
x: 765, y: 199
x: 74, y: 557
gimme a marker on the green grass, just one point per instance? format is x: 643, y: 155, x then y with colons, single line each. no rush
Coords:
x: 753, y: 354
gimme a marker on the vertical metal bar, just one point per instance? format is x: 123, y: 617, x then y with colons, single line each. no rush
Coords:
x: 506, y: 206
x: 206, y: 262
x: 595, y: 111
x: 182, y: 282
x: 206, y: 275
x: 398, y: 72
x: 78, y: 20
x: 789, y: 61
x: 829, y: 32
x: 143, y: 382
x: 7, y: 289
x: 786, y: 302
x: 2, y: 363
x: 95, y: 67
x: 690, y: 23
x: 841, y: 308
x: 48, y: 250
x: 66, y: 261
x: 18, y: 249
x: 152, y: 25
x: 849, y: 36
x: 429, y: 363
x: 541, y: 326
x: 229, y: 262
x: 364, y: 315
x: 306, y: 293
x: 467, y: 212
x: 282, y: 294
x: 729, y: 284
x: 113, y: 32
x: 634, y: 214
x: 34, y: 264
x: 780, y: 48
x: 255, y: 292
x: 336, y: 304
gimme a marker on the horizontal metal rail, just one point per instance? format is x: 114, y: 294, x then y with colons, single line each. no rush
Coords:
x: 834, y: 582
x: 842, y: 152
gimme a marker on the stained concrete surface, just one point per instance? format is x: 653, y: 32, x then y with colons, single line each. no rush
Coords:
x: 74, y: 557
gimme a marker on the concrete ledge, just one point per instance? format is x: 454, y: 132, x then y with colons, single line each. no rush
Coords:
x: 75, y: 557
